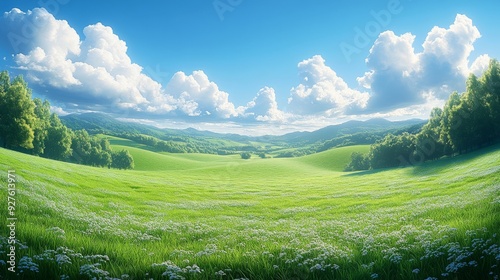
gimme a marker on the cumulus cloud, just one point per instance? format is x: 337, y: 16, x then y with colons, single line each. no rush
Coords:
x: 264, y: 107
x: 58, y: 110
x: 400, y: 77
x: 197, y: 95
x: 97, y: 70
x: 393, y: 61
x: 322, y: 91
x: 444, y: 60
x: 480, y: 65
x: 45, y: 45
x: 95, y: 73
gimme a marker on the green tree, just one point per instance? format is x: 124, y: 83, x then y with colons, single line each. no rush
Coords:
x: 480, y: 123
x: 105, y: 146
x: 81, y: 146
x: 94, y: 156
x: 449, y: 122
x: 428, y: 141
x: 105, y: 159
x: 17, y: 118
x: 393, y: 151
x: 4, y: 81
x: 122, y: 160
x: 58, y: 141
x: 491, y: 86
x: 246, y: 155
x: 358, y: 162
x: 42, y: 124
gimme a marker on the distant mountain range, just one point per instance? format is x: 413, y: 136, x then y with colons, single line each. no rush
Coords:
x: 350, y: 127
x: 345, y: 134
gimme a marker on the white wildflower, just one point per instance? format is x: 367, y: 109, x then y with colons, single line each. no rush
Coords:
x: 27, y: 264
x: 220, y: 273
x: 93, y: 271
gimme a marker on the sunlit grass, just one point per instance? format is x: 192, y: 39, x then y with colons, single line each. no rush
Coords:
x: 206, y: 217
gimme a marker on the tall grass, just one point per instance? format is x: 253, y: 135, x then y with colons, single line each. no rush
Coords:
x: 211, y: 217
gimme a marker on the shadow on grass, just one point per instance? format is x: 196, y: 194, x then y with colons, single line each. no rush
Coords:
x: 446, y: 163
x: 434, y: 166
x: 367, y: 172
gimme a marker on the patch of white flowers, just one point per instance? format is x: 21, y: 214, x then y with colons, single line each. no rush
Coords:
x: 315, y: 244
x: 174, y: 272
x: 27, y: 264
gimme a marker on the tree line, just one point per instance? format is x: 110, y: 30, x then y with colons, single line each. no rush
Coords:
x: 27, y: 125
x: 467, y: 122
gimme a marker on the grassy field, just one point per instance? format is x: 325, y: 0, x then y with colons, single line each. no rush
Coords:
x: 220, y: 217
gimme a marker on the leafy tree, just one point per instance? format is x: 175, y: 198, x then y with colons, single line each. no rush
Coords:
x: 105, y: 159
x: 393, y: 151
x: 491, y: 87
x: 105, y: 146
x: 58, y: 141
x: 450, y: 122
x: 94, y: 158
x: 122, y: 160
x: 246, y: 155
x: 428, y: 140
x: 42, y: 124
x: 81, y: 146
x: 17, y: 117
x: 90, y: 150
x: 28, y: 124
x: 358, y: 162
x: 480, y: 123
x: 4, y: 81
x: 460, y: 136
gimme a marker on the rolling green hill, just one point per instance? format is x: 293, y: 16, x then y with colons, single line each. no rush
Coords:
x: 221, y: 217
x: 334, y: 159
x: 147, y: 159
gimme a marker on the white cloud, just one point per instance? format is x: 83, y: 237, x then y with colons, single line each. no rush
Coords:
x: 392, y: 61
x: 96, y: 73
x: 480, y: 65
x: 400, y: 78
x: 58, y: 110
x: 97, y: 70
x: 322, y: 91
x: 444, y: 60
x: 47, y: 45
x: 390, y: 52
x: 196, y: 95
x: 264, y: 107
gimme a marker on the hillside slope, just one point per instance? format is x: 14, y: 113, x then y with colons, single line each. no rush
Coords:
x: 147, y: 160
x: 257, y: 219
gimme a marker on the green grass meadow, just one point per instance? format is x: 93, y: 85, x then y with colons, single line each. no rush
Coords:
x: 194, y: 216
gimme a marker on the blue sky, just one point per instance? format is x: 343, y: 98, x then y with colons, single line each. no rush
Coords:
x: 251, y: 67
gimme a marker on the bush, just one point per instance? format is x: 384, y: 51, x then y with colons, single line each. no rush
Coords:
x: 246, y: 155
x: 122, y: 160
x: 358, y: 162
